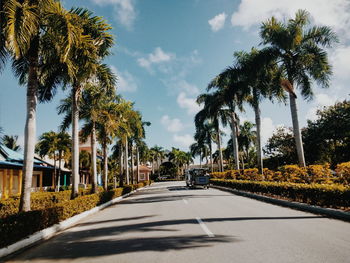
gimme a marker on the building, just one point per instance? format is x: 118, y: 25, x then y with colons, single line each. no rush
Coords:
x: 144, y: 173
x: 11, y: 165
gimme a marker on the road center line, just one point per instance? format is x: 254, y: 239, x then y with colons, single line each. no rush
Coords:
x: 204, y: 227
x: 185, y: 201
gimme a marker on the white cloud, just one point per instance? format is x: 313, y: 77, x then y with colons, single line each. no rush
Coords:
x: 172, y: 125
x: 125, y: 81
x: 188, y: 103
x: 333, y: 13
x: 267, y: 129
x: 124, y: 9
x: 340, y: 58
x: 321, y: 100
x: 184, y: 140
x: 157, y: 57
x: 217, y: 22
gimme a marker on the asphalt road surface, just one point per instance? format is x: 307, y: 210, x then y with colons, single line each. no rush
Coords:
x: 169, y: 223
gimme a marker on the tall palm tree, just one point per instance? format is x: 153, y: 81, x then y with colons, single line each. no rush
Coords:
x: 63, y: 147
x: 205, y: 132
x: 10, y: 141
x: 199, y: 149
x: 246, y: 138
x: 86, y: 60
x: 94, y: 95
x: 228, y: 85
x: 213, y: 111
x: 299, y: 51
x: 37, y: 35
x: 158, y: 152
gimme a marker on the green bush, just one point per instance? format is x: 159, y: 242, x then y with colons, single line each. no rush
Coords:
x: 316, y: 194
x: 54, y: 208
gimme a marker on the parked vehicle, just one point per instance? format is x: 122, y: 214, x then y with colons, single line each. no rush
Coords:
x: 197, y: 177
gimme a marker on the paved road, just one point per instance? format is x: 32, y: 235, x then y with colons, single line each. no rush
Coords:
x: 168, y: 223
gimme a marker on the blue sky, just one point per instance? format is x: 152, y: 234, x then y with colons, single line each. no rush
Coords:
x: 167, y: 51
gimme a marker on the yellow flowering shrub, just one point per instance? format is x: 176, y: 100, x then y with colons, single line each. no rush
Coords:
x: 343, y: 173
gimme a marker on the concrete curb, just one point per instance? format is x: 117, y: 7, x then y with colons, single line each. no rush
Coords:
x: 299, y: 206
x: 55, y: 229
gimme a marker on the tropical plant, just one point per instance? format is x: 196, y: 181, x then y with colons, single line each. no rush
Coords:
x: 213, y: 111
x: 299, y: 51
x: 11, y: 141
x: 37, y: 36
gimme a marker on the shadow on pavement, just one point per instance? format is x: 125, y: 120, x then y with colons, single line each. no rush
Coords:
x: 106, y: 241
x: 107, y: 247
x: 114, y: 220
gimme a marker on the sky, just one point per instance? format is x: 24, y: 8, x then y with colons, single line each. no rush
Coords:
x: 167, y: 52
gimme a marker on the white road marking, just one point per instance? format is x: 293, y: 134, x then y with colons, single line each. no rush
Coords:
x: 185, y: 201
x: 204, y: 227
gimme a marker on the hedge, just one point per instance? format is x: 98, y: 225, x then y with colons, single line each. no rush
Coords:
x: 315, y: 194
x: 15, y: 227
x: 320, y: 174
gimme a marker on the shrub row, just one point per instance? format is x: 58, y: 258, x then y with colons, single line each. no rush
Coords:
x: 316, y: 194
x: 17, y: 226
x: 39, y: 200
x: 292, y: 173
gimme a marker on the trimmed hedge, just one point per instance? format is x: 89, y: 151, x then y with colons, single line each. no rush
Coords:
x: 315, y: 194
x: 311, y: 174
x: 15, y: 227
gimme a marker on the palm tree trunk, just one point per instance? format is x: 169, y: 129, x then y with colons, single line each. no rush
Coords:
x: 296, y: 130
x: 152, y: 165
x: 29, y: 132
x: 221, y: 163
x: 126, y: 162
x: 55, y: 173
x: 235, y: 140
x: 94, y: 158
x: 59, y: 169
x: 105, y: 166
x: 258, y: 136
x: 75, y: 146
x: 200, y: 159
x: 138, y: 165
x: 211, y: 157
x: 132, y: 162
x: 121, y: 170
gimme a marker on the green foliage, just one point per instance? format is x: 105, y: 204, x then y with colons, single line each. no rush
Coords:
x: 315, y: 194
x: 326, y: 139
x: 292, y: 173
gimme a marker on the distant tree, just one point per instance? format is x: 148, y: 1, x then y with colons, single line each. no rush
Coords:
x: 10, y: 141
x: 327, y: 139
x: 280, y: 148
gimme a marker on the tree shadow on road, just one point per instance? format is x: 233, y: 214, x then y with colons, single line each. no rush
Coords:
x: 105, y: 241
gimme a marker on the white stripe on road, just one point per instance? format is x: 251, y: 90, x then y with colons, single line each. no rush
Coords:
x: 204, y: 227
x: 185, y: 201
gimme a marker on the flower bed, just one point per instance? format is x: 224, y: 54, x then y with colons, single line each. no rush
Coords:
x: 320, y: 174
x: 336, y: 196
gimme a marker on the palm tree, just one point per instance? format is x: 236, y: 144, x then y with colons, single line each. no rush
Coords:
x: 199, y: 149
x: 85, y: 60
x: 10, y: 141
x: 63, y: 147
x: 47, y: 146
x: 37, y: 36
x: 158, y: 155
x: 214, y: 112
x: 205, y: 131
x: 231, y: 96
x: 246, y: 138
x: 299, y: 51
x: 93, y: 96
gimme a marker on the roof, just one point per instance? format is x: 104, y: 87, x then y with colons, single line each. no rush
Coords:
x: 12, y: 158
x: 144, y: 168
